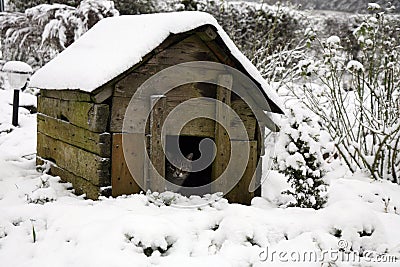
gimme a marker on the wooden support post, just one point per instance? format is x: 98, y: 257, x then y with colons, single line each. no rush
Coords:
x: 240, y: 193
x: 126, y: 179
x: 157, y: 157
x: 222, y: 140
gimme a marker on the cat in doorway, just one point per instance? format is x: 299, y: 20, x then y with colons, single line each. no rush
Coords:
x: 178, y: 170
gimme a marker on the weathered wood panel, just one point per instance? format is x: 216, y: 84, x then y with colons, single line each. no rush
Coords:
x: 93, y: 117
x: 260, y: 137
x: 189, y: 49
x: 103, y: 93
x: 246, y: 116
x: 207, y: 34
x: 222, y: 140
x: 98, y: 143
x: 80, y: 185
x: 78, y: 161
x: 138, y: 110
x: 73, y: 95
x: 258, y: 181
x: 157, y: 155
x: 121, y: 176
x: 200, y: 127
x: 240, y: 193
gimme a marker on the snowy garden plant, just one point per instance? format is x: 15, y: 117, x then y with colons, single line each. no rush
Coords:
x: 358, y: 99
x: 299, y: 158
x: 41, y: 32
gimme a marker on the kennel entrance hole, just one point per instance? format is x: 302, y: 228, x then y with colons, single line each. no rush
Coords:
x: 187, y: 145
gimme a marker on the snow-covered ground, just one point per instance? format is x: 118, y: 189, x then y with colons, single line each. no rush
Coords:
x: 42, y: 223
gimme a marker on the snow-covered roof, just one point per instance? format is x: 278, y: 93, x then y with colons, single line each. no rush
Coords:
x: 116, y: 44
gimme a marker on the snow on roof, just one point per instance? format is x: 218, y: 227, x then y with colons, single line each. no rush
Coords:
x: 115, y: 44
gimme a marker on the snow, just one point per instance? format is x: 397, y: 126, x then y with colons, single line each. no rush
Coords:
x: 374, y: 6
x: 355, y: 65
x: 115, y: 44
x: 17, y: 66
x: 124, y: 231
x: 333, y: 39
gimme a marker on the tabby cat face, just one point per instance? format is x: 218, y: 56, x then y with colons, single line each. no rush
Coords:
x: 179, y: 169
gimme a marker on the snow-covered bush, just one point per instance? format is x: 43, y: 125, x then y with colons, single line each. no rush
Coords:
x: 40, y: 33
x: 359, y: 100
x: 299, y: 157
x: 258, y: 31
x: 22, y: 5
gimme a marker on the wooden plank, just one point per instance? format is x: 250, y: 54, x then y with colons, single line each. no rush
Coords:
x: 157, y: 156
x: 190, y: 49
x: 118, y: 110
x: 80, y: 185
x: 258, y: 173
x: 260, y: 137
x: 246, y: 116
x: 78, y: 161
x: 207, y: 34
x: 187, y: 50
x: 103, y: 93
x: 125, y: 79
x: 121, y: 174
x: 240, y: 193
x: 98, y: 143
x: 74, y: 95
x: 205, y: 127
x: 129, y: 85
x: 182, y: 93
x: 260, y: 133
x: 174, y: 98
x: 90, y: 116
x: 222, y: 140
x: 222, y: 53
x: 200, y: 127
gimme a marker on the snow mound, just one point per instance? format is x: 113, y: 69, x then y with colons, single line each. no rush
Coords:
x: 17, y: 66
x: 355, y: 65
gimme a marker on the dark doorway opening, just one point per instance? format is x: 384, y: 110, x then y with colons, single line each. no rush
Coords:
x: 197, y: 182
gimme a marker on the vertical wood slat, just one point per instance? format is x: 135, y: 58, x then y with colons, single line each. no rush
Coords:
x: 260, y: 135
x: 240, y: 193
x: 121, y: 177
x: 221, y: 134
x: 157, y: 157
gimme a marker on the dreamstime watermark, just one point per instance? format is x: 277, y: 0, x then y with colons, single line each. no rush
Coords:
x: 342, y: 253
x: 138, y: 139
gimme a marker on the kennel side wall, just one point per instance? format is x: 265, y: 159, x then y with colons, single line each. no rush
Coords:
x: 73, y: 137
